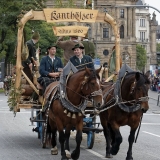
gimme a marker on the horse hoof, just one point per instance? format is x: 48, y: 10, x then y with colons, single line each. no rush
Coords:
x: 68, y: 154
x: 108, y: 155
x: 114, y: 151
x: 54, y: 151
x: 75, y: 154
x: 129, y: 158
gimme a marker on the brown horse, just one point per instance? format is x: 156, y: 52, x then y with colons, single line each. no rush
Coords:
x: 124, y: 104
x: 80, y: 86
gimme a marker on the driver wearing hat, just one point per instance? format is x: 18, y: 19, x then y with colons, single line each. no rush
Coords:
x: 50, y: 67
x: 79, y: 60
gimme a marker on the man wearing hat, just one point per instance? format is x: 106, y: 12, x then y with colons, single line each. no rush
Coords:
x: 67, y: 46
x: 28, y: 63
x: 79, y: 60
x: 50, y: 67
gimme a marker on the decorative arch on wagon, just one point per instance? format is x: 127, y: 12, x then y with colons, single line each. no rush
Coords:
x: 54, y: 16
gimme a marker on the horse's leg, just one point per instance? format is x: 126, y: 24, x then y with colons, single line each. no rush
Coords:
x: 112, y: 134
x: 67, y: 136
x: 118, y: 141
x: 130, y: 140
x: 54, y: 149
x: 53, y: 130
x: 106, y: 133
x: 76, y: 153
x: 61, y: 138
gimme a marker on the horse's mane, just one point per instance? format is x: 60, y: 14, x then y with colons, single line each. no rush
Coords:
x: 93, y: 71
x: 143, y: 78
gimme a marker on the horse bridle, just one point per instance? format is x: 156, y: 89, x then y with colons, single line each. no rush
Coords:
x: 133, y: 87
x: 93, y: 94
x: 141, y: 99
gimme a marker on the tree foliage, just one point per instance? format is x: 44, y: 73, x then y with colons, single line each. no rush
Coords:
x: 10, y: 12
x: 64, y: 4
x: 158, y: 47
x: 141, y: 58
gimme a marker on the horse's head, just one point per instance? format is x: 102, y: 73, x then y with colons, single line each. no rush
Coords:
x: 139, y: 86
x: 90, y: 86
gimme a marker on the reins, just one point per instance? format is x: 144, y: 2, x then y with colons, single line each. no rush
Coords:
x: 116, y: 103
x: 86, y: 98
x: 138, y: 129
x: 95, y: 93
x: 116, y: 98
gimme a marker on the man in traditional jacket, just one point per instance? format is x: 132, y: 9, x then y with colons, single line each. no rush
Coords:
x: 79, y: 60
x: 67, y: 46
x: 89, y: 47
x: 29, y: 63
x: 50, y: 67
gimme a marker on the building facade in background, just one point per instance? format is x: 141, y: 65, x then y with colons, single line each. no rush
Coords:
x: 158, y: 34
x: 146, y: 33
x: 135, y: 26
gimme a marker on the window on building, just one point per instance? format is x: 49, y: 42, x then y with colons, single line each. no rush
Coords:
x: 122, y: 13
x: 105, y: 32
x: 105, y: 52
x: 142, y: 36
x: 105, y: 10
x: 142, y: 22
x: 158, y: 36
x: 121, y: 31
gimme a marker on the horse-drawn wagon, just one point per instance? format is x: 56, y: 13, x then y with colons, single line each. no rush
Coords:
x: 58, y: 111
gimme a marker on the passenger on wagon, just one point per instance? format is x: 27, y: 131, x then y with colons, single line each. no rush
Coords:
x: 50, y: 67
x: 28, y: 63
x: 79, y: 60
x: 67, y: 46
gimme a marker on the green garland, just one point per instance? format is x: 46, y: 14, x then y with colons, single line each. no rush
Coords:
x: 13, y: 97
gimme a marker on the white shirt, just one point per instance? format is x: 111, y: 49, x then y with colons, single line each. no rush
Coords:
x: 52, y: 59
x: 75, y: 40
x: 80, y: 59
x: 85, y: 40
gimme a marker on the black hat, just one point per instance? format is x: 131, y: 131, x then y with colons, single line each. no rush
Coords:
x: 77, y: 46
x: 53, y: 45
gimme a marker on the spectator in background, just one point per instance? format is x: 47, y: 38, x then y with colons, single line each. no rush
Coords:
x: 156, y: 71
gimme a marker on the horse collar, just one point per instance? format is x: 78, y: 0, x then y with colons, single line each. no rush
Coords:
x: 119, y: 101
